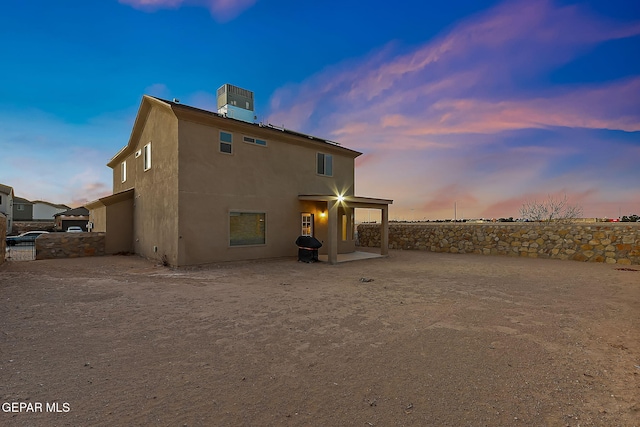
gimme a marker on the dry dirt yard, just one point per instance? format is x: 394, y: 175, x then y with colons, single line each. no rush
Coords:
x: 432, y: 340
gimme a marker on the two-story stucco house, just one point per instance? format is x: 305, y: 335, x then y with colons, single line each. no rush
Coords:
x: 195, y: 187
x: 6, y: 205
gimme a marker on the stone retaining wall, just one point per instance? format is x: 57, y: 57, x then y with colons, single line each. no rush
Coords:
x: 611, y: 243
x: 69, y: 245
x: 20, y: 227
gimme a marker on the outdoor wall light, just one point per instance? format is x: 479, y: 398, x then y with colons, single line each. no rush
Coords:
x: 340, y: 198
x: 322, y: 214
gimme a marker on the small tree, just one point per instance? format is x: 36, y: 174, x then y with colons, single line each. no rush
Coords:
x: 550, y: 210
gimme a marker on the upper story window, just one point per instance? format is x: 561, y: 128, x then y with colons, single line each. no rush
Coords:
x: 226, y: 141
x: 256, y: 141
x: 20, y: 207
x: 123, y: 171
x: 324, y: 164
x: 147, y: 157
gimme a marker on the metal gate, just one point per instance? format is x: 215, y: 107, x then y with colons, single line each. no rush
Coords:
x: 24, y: 251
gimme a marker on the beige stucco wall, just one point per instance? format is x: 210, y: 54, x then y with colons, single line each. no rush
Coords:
x: 119, y: 218
x: 253, y: 179
x: 155, y: 217
x: 113, y: 216
x: 133, y: 165
x: 98, y: 216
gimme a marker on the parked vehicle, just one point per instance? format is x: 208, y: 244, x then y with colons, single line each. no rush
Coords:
x: 74, y: 229
x: 28, y: 237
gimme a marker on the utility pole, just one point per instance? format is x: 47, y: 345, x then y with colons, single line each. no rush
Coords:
x: 455, y: 211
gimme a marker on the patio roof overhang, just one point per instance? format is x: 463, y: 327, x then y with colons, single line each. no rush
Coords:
x: 355, y: 202
x: 349, y: 201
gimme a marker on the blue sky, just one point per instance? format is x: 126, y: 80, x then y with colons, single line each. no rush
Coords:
x: 482, y: 104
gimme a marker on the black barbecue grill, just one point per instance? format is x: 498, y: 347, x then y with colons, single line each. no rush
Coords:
x: 308, y: 248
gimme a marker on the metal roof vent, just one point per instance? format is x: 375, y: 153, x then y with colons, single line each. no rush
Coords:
x: 235, y: 102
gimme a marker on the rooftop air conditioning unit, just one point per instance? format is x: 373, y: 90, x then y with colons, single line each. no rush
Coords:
x: 235, y: 102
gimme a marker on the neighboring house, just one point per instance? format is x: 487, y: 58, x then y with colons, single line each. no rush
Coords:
x: 22, y: 209
x: 78, y: 216
x: 44, y: 211
x: 196, y: 187
x: 6, y: 205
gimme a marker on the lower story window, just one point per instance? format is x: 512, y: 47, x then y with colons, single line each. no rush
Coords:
x: 247, y: 228
x: 307, y: 224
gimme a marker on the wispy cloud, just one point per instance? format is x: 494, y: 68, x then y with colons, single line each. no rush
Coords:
x: 221, y: 10
x: 40, y: 163
x: 477, y: 67
x: 464, y: 104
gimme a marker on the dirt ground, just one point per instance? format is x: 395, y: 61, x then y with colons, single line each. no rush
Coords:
x: 415, y: 339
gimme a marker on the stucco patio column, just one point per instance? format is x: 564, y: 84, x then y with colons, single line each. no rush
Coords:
x: 332, y: 231
x: 384, y: 231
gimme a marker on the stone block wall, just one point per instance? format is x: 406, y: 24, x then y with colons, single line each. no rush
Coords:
x: 20, y: 227
x: 3, y: 236
x: 611, y: 243
x: 69, y: 245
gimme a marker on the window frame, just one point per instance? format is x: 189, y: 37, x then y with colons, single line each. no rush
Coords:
x: 306, y: 225
x: 123, y: 171
x: 324, y: 168
x: 254, y: 141
x: 221, y: 142
x: 146, y: 157
x: 247, y: 212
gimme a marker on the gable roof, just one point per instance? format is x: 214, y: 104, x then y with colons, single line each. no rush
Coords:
x: 6, y: 189
x: 111, y: 199
x: 81, y: 211
x: 193, y: 113
x: 22, y: 201
x: 51, y: 204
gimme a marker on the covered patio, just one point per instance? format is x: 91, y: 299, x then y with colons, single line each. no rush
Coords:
x: 333, y: 203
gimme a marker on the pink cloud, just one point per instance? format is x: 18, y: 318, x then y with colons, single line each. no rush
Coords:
x: 477, y: 57
x: 153, y: 4
x: 507, y: 33
x: 489, y: 181
x: 221, y: 10
x: 444, y: 121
